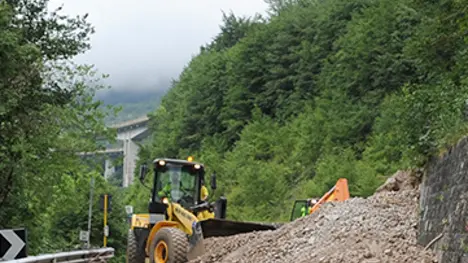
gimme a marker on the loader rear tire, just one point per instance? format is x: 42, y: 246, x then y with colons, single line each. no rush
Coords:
x: 169, y: 245
x: 134, y: 253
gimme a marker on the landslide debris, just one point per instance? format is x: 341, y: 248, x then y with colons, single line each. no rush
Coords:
x: 381, y: 228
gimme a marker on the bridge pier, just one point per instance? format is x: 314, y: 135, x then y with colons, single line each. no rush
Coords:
x: 130, y: 133
x: 129, y: 162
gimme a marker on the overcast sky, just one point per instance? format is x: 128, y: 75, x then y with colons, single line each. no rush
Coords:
x: 141, y: 42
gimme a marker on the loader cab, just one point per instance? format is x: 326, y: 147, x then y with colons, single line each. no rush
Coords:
x: 177, y: 181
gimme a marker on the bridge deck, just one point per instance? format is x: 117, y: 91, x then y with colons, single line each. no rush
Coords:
x: 130, y: 122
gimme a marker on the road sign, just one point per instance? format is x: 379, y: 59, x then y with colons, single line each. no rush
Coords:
x: 13, y: 244
x: 106, y: 231
x: 84, y: 236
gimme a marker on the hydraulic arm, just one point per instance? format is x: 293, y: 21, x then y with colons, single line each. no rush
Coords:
x: 339, y: 192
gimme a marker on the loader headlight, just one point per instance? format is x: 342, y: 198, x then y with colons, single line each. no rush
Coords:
x: 165, y: 200
x: 197, y: 166
x: 162, y: 162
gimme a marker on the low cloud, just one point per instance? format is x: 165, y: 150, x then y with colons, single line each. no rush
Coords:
x: 142, y: 44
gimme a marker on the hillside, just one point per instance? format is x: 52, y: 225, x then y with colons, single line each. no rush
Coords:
x: 282, y: 107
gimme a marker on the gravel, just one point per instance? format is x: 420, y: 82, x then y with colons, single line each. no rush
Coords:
x: 381, y: 228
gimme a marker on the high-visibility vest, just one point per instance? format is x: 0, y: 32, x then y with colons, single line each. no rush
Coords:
x: 166, y: 191
x: 303, y: 211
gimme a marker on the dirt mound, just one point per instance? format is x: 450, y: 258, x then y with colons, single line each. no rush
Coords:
x: 402, y: 180
x: 381, y: 228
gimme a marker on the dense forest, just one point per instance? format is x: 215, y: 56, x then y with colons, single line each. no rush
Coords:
x: 48, y: 116
x: 279, y: 107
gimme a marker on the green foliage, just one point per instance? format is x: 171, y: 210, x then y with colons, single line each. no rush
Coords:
x: 47, y: 117
x: 232, y: 30
x: 280, y: 108
x: 68, y: 212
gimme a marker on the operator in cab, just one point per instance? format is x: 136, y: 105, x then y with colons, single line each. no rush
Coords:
x: 166, y: 190
x: 304, y: 210
x: 174, y: 180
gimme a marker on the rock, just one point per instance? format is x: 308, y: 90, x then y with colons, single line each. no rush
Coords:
x: 381, y: 228
x: 390, y: 185
x: 368, y: 254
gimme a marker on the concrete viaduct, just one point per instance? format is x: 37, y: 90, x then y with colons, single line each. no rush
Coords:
x: 129, y: 135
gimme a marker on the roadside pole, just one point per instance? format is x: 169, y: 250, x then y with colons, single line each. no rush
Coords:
x: 105, y: 207
x: 105, y: 221
x: 90, y: 212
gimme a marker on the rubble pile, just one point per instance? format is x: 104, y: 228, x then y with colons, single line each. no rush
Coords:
x: 381, y: 228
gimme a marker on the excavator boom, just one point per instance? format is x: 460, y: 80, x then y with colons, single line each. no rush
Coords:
x: 339, y: 192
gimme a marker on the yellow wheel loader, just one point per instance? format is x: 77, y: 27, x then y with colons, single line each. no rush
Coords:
x: 179, y: 218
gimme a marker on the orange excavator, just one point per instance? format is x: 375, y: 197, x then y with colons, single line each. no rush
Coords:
x: 339, y: 192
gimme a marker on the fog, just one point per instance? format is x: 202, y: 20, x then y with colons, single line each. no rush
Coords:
x: 142, y: 44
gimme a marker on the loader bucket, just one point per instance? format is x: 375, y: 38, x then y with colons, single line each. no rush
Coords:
x: 220, y: 227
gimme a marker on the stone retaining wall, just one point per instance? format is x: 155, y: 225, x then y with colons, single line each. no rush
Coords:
x: 444, y: 205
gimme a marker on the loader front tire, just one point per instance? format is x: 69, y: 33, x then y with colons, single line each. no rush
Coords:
x: 134, y: 253
x: 169, y: 245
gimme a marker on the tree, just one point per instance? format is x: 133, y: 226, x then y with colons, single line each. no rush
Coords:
x: 47, y: 117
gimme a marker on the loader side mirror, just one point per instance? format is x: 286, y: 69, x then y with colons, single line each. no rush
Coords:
x: 213, y: 181
x: 143, y: 171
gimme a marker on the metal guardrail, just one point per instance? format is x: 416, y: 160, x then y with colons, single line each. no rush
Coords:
x: 78, y: 256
